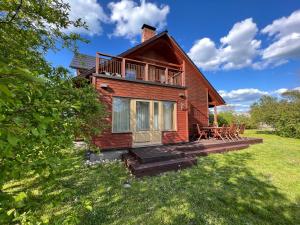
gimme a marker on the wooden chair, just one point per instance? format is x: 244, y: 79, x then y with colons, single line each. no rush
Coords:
x: 217, y: 133
x: 222, y: 133
x: 241, y: 130
x: 225, y: 132
x: 233, y: 132
x: 201, y: 132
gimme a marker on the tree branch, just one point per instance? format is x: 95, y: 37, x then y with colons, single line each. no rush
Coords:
x: 15, y: 14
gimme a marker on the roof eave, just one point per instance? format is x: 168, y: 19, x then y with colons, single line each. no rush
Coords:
x: 222, y: 101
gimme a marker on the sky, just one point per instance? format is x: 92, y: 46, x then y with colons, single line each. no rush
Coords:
x: 246, y: 49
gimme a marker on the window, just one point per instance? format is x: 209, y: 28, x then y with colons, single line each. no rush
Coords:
x: 156, y: 117
x: 168, y: 115
x: 142, y: 116
x: 130, y: 74
x: 121, y: 114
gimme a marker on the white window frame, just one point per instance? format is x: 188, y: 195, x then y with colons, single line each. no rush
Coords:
x: 174, y: 125
x: 112, y: 119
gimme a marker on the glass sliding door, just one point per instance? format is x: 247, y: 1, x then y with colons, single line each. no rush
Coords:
x: 168, y: 115
x: 121, y: 115
x: 149, y: 118
x: 142, y: 116
x: 156, y: 116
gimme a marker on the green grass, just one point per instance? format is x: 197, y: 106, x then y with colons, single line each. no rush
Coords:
x: 259, y: 185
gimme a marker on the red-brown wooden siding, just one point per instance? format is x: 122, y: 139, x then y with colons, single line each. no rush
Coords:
x: 197, y: 98
x: 121, y: 88
x: 197, y: 91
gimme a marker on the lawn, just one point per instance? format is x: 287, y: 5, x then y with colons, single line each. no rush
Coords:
x: 259, y: 185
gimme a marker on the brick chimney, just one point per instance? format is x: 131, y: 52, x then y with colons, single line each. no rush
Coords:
x: 147, y: 32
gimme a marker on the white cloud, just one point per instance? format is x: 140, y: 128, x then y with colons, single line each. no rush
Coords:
x: 91, y: 12
x: 240, y: 48
x: 237, y: 50
x: 284, y: 26
x: 280, y: 91
x: 242, y: 95
x: 239, y: 108
x: 287, y: 47
x: 205, y: 54
x: 297, y: 89
x: 130, y: 16
x: 240, y: 100
x: 286, y: 38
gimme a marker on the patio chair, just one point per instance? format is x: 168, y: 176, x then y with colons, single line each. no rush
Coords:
x: 217, y: 133
x: 201, y: 132
x: 241, y: 130
x: 233, y: 132
x: 223, y: 132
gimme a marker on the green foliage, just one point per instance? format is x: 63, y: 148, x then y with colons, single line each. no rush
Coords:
x: 42, y: 108
x: 229, y: 117
x: 258, y: 185
x: 42, y: 120
x: 28, y: 29
x: 282, y: 115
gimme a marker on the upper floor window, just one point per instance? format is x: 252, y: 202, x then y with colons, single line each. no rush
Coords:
x: 130, y: 74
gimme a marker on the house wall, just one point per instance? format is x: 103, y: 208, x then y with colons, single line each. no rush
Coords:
x: 122, y: 88
x: 197, y: 99
x: 197, y: 92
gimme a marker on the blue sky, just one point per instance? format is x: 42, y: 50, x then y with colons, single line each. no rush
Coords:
x: 246, y: 49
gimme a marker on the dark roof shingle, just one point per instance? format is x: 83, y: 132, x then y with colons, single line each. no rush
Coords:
x: 81, y: 61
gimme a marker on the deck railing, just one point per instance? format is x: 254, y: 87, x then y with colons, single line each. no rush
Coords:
x: 139, y: 70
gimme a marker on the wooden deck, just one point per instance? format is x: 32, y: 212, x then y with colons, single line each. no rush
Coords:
x: 147, y: 161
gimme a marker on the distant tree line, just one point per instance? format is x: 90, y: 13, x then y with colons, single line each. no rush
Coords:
x: 280, y: 114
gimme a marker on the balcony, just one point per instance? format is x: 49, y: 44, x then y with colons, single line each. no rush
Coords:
x: 131, y: 69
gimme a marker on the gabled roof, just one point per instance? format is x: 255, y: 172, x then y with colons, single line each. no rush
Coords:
x: 143, y: 44
x: 81, y: 61
x: 135, y: 48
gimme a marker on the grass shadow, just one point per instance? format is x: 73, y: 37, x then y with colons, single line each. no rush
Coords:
x: 266, y: 132
x: 221, y: 189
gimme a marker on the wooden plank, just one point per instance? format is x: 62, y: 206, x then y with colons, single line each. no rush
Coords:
x: 97, y: 63
x: 123, y: 68
x: 183, y: 74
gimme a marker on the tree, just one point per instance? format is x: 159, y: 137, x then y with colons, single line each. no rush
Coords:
x: 230, y: 116
x: 282, y: 114
x: 41, y: 107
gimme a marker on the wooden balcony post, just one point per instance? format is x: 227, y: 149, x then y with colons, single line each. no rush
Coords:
x: 215, y: 116
x: 94, y: 81
x: 183, y: 74
x: 146, y: 72
x: 123, y: 68
x: 166, y: 75
x: 97, y: 63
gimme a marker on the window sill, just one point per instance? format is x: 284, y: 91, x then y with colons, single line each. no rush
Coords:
x: 121, y: 132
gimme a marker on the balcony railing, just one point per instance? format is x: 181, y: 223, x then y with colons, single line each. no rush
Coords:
x: 131, y: 69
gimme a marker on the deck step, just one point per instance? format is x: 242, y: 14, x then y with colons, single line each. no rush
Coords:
x: 205, y: 152
x: 154, y: 168
x: 152, y: 154
x: 151, y: 160
x: 200, y: 146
